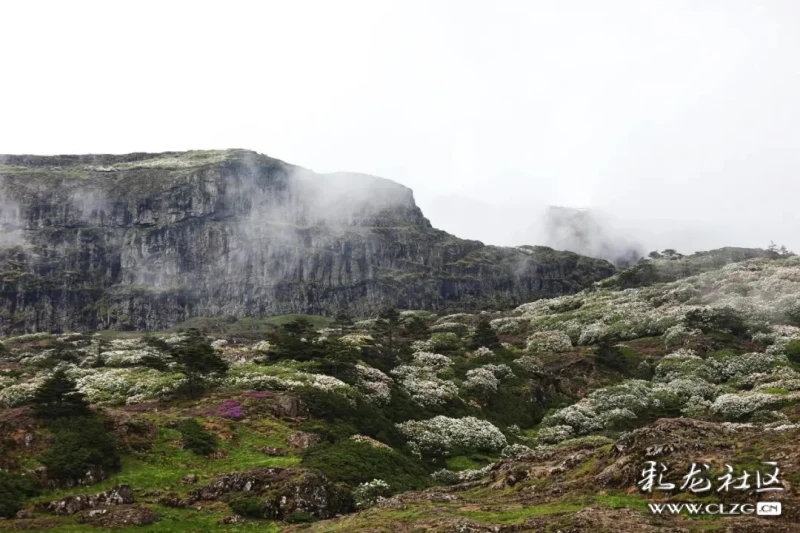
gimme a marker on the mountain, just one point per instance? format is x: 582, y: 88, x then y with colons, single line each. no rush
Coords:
x: 676, y: 385
x: 145, y: 241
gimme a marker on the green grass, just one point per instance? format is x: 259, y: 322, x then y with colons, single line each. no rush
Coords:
x: 172, y: 520
x: 463, y: 462
x: 165, y: 464
x: 517, y: 516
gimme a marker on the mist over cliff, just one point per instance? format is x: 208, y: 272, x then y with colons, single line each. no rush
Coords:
x: 144, y: 241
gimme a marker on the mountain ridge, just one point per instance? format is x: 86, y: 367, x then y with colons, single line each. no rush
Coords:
x: 145, y: 241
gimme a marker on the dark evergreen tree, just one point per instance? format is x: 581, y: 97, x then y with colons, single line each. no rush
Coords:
x: 195, y: 359
x: 416, y: 328
x: 386, y: 327
x: 343, y: 322
x: 485, y: 335
x: 58, y: 397
x: 293, y: 340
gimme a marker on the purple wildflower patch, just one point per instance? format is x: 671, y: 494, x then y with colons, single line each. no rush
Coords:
x: 230, y: 409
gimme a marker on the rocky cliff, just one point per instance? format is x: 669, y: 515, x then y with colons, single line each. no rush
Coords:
x: 144, y: 241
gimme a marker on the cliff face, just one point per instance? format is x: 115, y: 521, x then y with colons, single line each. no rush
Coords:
x: 144, y: 241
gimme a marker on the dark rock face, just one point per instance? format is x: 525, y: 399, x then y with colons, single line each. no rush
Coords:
x: 144, y: 241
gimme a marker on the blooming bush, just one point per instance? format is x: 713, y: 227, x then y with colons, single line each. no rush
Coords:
x: 20, y: 393
x: 509, y: 325
x: 487, y: 377
x: 515, y: 450
x: 424, y: 386
x: 454, y: 327
x: 448, y: 477
x: 370, y: 493
x: 483, y: 351
x: 554, y: 434
x: 548, y: 341
x: 120, y: 386
x: 441, y: 435
x: 686, y: 364
x: 606, y: 407
x: 356, y: 340
x: 734, y: 407
x: 433, y: 361
x: 373, y: 383
x: 750, y: 363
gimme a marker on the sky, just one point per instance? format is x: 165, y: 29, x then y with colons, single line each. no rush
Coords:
x: 675, y: 119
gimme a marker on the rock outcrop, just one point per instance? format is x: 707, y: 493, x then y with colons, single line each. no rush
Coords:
x: 145, y: 241
x: 119, y: 495
x: 274, y: 493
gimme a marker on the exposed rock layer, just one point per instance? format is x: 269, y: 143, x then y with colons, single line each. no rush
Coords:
x: 145, y: 241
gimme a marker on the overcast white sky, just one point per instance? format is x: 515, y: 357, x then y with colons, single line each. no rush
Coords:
x: 679, y: 118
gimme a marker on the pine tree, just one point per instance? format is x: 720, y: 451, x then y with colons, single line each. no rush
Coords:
x: 386, y: 326
x: 195, y: 359
x: 417, y: 329
x: 484, y: 335
x: 343, y: 322
x: 59, y: 397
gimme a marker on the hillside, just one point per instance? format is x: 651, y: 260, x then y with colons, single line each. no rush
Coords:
x: 145, y: 241
x: 537, y: 418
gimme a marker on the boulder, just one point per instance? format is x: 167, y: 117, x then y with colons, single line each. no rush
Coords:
x: 302, y: 440
x: 288, y: 406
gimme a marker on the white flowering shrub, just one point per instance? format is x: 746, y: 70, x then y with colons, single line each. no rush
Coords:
x: 433, y: 361
x: 548, y: 341
x: 733, y: 407
x: 464, y: 318
x: 697, y: 407
x: 604, y: 408
x: 423, y: 346
x: 120, y: 386
x: 415, y: 313
x: 370, y: 493
x: 483, y: 351
x: 594, y: 333
x: 424, y: 386
x: 530, y: 363
x: 554, y: 434
x: 515, y: 450
x: 686, y: 364
x: 750, y: 363
x: 510, y: 325
x: 373, y: 383
x: 678, y: 334
x: 486, y: 378
x: 356, y: 340
x: 281, y: 376
x: 680, y: 390
x: 365, y: 325
x: 20, y: 393
x: 449, y: 477
x: 454, y: 327
x: 441, y: 435
x: 262, y: 347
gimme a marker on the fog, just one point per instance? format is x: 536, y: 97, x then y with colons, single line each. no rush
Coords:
x: 674, y: 122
